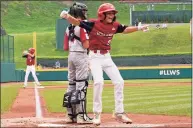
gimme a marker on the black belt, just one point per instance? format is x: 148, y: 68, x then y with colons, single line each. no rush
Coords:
x: 79, y: 51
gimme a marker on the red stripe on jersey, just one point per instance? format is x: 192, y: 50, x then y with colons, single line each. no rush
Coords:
x: 66, y: 45
x: 83, y: 35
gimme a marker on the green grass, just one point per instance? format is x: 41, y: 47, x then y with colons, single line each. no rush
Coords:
x: 175, y: 40
x: 8, y: 95
x: 40, y: 16
x: 63, y: 83
x: 157, y: 42
x: 29, y: 16
x: 165, y: 100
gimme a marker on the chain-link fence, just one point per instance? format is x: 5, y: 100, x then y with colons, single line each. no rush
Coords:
x: 182, y: 16
x: 7, y: 49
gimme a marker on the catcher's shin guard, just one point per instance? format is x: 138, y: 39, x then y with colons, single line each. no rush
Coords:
x: 70, y: 107
x: 82, y: 99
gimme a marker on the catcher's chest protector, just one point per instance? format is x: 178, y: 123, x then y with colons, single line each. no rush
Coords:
x: 74, y: 42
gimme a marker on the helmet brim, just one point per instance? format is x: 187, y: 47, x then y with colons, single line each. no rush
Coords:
x: 109, y: 10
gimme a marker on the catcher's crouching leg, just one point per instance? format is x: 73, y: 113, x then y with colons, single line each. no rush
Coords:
x: 71, y: 109
x: 80, y: 101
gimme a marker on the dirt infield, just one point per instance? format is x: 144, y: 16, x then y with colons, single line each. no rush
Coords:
x: 23, y: 113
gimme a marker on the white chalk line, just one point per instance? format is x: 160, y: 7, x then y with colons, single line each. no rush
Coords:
x: 38, y: 104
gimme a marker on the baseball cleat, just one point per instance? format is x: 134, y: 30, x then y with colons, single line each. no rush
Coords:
x: 97, y: 119
x: 122, y: 117
x: 80, y: 120
x: 68, y: 119
x: 40, y: 86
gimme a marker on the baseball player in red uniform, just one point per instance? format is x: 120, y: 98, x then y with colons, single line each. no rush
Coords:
x: 30, y: 62
x: 101, y: 32
x: 76, y: 42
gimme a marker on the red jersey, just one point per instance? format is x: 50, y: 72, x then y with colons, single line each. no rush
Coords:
x: 30, y: 60
x: 100, y: 34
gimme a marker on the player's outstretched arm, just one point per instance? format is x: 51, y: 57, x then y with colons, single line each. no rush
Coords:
x: 131, y: 29
x: 64, y: 14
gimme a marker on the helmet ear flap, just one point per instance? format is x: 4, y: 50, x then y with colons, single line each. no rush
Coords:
x: 72, y: 11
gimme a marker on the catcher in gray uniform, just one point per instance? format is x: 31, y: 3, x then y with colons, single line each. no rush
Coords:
x: 76, y: 42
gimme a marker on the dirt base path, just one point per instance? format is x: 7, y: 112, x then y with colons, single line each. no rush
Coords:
x: 23, y: 113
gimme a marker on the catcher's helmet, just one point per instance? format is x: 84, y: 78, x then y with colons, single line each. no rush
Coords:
x: 78, y: 10
x: 106, y: 7
x: 31, y: 50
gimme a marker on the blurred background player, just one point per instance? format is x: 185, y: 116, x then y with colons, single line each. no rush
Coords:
x: 76, y: 42
x: 30, y: 62
x: 101, y: 32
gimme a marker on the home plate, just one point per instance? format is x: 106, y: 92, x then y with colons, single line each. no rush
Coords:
x: 51, y: 125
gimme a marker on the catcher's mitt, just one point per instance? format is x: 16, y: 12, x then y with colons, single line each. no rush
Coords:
x: 24, y: 54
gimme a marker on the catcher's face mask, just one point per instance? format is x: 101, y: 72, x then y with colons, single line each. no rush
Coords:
x: 79, y: 10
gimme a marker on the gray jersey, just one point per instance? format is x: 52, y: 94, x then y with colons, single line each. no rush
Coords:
x: 75, y: 44
x: 77, y: 62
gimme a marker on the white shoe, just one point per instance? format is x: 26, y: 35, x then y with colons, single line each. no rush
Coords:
x: 123, y: 118
x: 80, y: 119
x: 68, y: 119
x: 97, y: 119
x: 24, y: 86
x: 38, y: 84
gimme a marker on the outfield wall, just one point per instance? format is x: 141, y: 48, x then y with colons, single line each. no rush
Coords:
x: 154, y: 72
x: 153, y: 60
x: 9, y: 74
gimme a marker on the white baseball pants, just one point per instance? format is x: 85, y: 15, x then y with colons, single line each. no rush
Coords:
x: 31, y: 69
x: 98, y: 64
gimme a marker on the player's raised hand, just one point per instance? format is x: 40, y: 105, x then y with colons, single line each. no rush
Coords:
x: 64, y: 14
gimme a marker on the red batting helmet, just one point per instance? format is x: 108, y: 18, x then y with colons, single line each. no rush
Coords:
x: 31, y: 50
x: 106, y: 7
